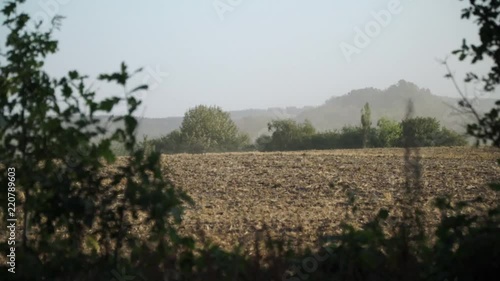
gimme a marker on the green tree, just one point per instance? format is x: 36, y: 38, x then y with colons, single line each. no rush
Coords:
x: 171, y: 143
x: 289, y: 135
x: 366, y: 123
x: 206, y: 129
x: 388, y: 132
x: 447, y: 137
x: 420, y: 131
x: 262, y: 143
x: 351, y: 137
x: 324, y: 140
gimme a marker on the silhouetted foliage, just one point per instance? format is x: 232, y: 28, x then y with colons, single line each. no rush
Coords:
x: 73, y: 217
x: 486, y: 14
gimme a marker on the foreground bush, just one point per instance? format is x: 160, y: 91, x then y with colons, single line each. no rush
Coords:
x: 73, y: 217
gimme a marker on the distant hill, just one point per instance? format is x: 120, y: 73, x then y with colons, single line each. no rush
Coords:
x: 340, y: 111
x: 391, y: 103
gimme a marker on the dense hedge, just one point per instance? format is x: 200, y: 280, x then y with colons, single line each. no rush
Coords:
x: 425, y: 131
x: 289, y: 135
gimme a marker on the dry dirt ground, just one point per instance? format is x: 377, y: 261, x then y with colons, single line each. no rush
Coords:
x: 299, y: 195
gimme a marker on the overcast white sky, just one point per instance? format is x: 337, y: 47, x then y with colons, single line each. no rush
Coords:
x: 257, y: 53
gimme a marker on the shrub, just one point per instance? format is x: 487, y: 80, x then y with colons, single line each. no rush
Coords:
x: 209, y: 129
x: 75, y: 217
x: 204, y: 129
x: 289, y: 135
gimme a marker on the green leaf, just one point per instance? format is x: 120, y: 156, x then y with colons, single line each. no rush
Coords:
x: 73, y: 75
x: 141, y: 87
x: 108, y: 104
x: 67, y: 91
x: 109, y: 156
x: 130, y: 122
x: 9, y: 9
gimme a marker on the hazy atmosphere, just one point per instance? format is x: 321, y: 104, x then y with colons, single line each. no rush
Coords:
x: 244, y: 140
x: 243, y: 54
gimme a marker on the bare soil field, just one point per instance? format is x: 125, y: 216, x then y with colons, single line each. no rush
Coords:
x: 299, y: 195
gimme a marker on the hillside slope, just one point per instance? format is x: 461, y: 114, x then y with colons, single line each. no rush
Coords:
x: 391, y: 103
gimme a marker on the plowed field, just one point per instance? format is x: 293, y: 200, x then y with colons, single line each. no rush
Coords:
x: 302, y: 194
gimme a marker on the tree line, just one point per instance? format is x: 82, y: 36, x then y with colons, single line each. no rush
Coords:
x: 210, y: 129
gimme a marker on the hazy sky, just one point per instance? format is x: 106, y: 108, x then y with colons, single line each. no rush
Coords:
x: 257, y: 53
